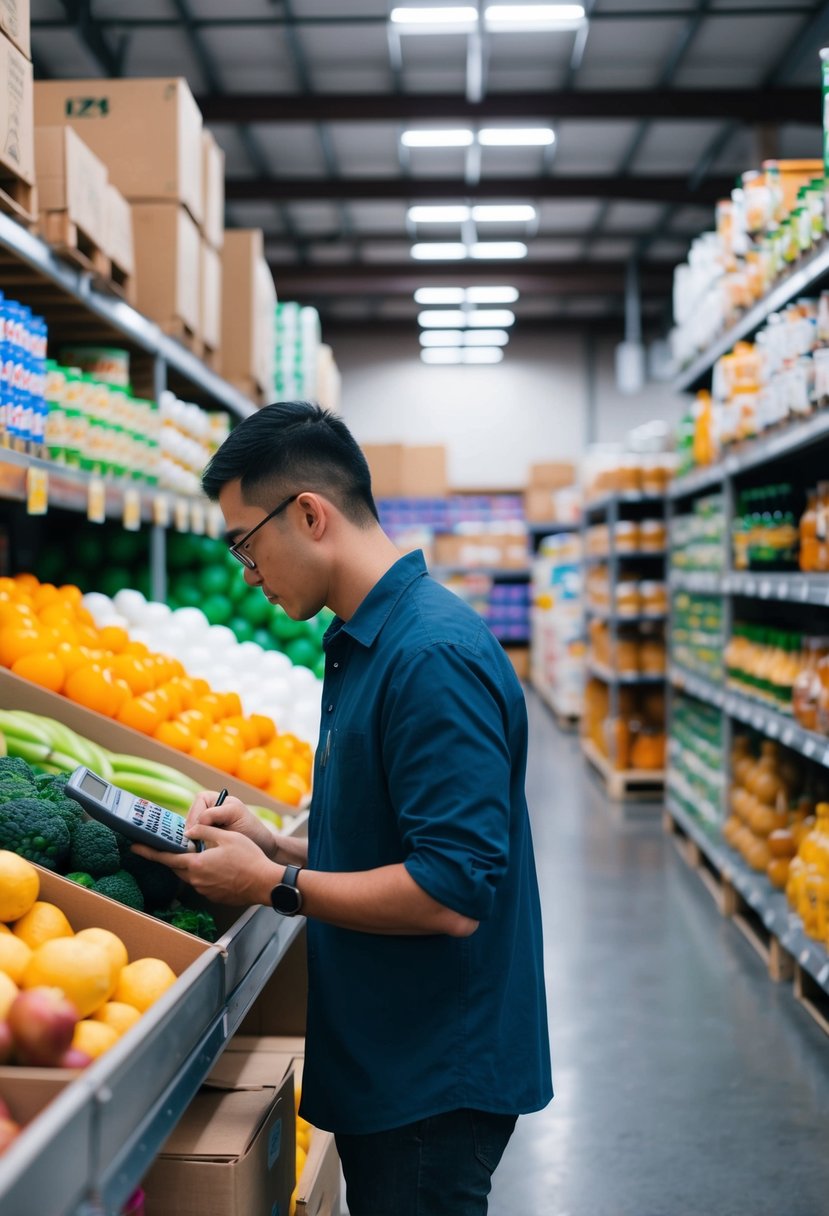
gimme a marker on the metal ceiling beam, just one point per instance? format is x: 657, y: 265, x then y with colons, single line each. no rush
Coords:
x: 741, y: 105
x: 660, y: 189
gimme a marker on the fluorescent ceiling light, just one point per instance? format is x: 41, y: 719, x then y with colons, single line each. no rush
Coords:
x: 442, y: 337
x: 449, y: 355
x: 516, y: 137
x: 439, y: 251
x: 498, y: 249
x: 483, y: 354
x: 461, y: 19
x: 490, y: 295
x: 503, y: 213
x: 438, y: 137
x: 444, y: 354
x: 503, y: 18
x: 461, y: 337
x: 486, y: 337
x: 495, y: 318
x: 446, y: 295
x: 441, y: 318
x: 438, y: 215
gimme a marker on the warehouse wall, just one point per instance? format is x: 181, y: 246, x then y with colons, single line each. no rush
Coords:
x: 495, y: 421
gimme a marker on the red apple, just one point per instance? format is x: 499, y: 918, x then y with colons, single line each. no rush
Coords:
x: 9, y: 1131
x: 6, y: 1043
x: 42, y: 1023
x: 74, y: 1058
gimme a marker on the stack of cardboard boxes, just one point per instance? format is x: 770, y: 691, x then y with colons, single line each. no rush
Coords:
x: 212, y: 243
x: 17, y: 153
x: 403, y: 471
x: 543, y: 502
x: 248, y: 305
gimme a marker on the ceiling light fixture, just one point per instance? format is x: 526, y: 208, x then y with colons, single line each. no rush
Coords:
x: 516, y: 137
x: 491, y: 295
x: 449, y: 355
x: 483, y: 354
x: 494, y: 318
x: 456, y: 214
x: 442, y: 354
x: 461, y: 19
x: 442, y: 318
x: 444, y: 295
x: 499, y: 250
x: 438, y: 137
x: 518, y: 18
x: 439, y: 251
x: 485, y: 337
x: 442, y: 337
x: 503, y: 213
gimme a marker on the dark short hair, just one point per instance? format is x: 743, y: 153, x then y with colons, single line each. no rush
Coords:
x: 289, y: 447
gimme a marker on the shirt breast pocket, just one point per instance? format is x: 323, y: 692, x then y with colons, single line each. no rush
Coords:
x: 356, y: 787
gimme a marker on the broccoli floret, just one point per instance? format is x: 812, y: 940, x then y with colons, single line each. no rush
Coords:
x: 123, y: 887
x: 52, y: 786
x: 201, y: 924
x: 159, y: 884
x: 83, y: 880
x: 94, y: 849
x: 124, y: 848
x: 14, y: 766
x: 29, y: 828
x: 13, y: 787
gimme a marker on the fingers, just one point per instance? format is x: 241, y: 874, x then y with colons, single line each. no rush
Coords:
x: 180, y: 862
x: 203, y: 801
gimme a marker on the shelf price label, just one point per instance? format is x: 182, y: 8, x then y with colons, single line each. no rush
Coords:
x: 181, y: 515
x: 132, y: 510
x: 37, y: 491
x: 161, y: 511
x: 96, y: 502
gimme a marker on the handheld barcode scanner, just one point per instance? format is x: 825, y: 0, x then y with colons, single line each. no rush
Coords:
x: 136, y: 818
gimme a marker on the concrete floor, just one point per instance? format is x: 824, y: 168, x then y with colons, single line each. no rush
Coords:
x: 687, y: 1083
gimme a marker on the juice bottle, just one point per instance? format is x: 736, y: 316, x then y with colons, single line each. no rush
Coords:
x: 807, y: 559
x: 822, y: 527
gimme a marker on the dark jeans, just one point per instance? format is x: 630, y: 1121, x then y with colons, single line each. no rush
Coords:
x: 441, y: 1166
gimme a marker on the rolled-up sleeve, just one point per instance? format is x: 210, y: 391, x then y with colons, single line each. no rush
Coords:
x: 447, y: 761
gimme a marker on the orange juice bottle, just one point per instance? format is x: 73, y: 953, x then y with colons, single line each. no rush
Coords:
x: 808, y: 535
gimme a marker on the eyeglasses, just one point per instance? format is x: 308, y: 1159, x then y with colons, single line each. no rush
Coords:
x: 237, y: 549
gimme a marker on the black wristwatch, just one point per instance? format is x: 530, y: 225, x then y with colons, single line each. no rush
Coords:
x: 286, y: 896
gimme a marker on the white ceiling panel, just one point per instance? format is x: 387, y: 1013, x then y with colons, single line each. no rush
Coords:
x: 267, y: 216
x: 292, y: 150
x: 591, y: 147
x: 672, y: 252
x: 331, y: 255
x: 117, y: 8
x: 324, y: 8
x: 610, y: 251
x: 310, y: 218
x: 237, y: 161
x: 437, y: 162
x: 378, y: 217
x: 387, y: 251
x: 251, y: 60
x: 63, y: 54
x: 628, y: 54
x: 567, y: 214
x: 625, y: 216
x: 365, y: 148
x: 718, y: 51
x: 671, y: 147
x: 511, y: 162
x: 545, y: 249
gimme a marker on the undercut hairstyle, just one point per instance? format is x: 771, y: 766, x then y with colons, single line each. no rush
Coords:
x: 290, y: 447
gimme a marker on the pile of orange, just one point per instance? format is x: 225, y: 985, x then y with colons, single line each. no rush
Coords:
x: 49, y: 638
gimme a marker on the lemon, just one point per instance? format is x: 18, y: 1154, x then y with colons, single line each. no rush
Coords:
x: 14, y: 955
x: 141, y: 983
x: 19, y: 885
x: 93, y: 1037
x: 8, y: 991
x: 301, y: 1158
x: 115, y: 949
x: 4, y: 929
x: 42, y: 923
x: 80, y: 969
x: 117, y: 1015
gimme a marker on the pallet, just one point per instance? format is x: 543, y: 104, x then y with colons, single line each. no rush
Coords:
x: 628, y: 785
x: 811, y: 997
x: 182, y: 333
x: 74, y: 245
x: 119, y: 283
x: 17, y: 198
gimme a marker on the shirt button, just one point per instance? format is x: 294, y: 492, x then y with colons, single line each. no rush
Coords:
x: 330, y: 709
x: 336, y: 664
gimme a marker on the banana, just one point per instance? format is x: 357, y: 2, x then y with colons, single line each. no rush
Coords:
x: 32, y: 753
x: 165, y: 794
x: 19, y: 731
x: 61, y: 737
x: 139, y: 767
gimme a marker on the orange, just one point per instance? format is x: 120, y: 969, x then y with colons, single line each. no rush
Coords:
x: 302, y: 768
x: 247, y: 729
x: 282, y: 748
x: 264, y: 725
x: 93, y: 1037
x: 196, y: 721
x: 7, y: 586
x: 26, y: 582
x: 46, y: 593
x: 84, y: 617
x: 174, y: 696
x: 19, y: 885
x: 16, y: 614
x: 95, y: 688
x: 201, y: 686
x: 42, y: 669
x: 177, y: 670
x: 71, y: 656
x: 211, y: 704
x: 219, y: 752
x: 141, y: 714
x: 57, y: 615
x: 254, y: 767
x: 187, y: 690
x: 70, y: 593
x: 141, y: 983
x: 17, y: 641
x: 277, y: 766
x: 137, y: 648
x: 287, y: 787
x: 8, y: 992
x: 233, y: 704
x: 40, y: 924
x: 175, y: 734
x: 113, y: 637
x: 117, y: 1015
x: 81, y: 969
x: 115, y: 948
x: 14, y: 956
x: 133, y: 669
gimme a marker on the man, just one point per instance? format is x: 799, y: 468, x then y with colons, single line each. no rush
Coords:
x: 427, y: 1027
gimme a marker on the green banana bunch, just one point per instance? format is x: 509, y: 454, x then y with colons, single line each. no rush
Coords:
x: 39, y: 740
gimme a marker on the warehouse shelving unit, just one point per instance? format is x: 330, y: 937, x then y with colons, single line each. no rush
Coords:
x: 557, y: 625
x: 610, y: 509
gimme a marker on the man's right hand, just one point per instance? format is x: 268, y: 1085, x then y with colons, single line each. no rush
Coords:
x: 234, y: 816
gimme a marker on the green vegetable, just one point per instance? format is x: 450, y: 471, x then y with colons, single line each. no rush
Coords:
x: 94, y: 849
x: 201, y: 924
x: 12, y: 787
x: 159, y: 884
x: 123, y: 887
x: 32, y: 830
x: 13, y: 765
x: 83, y: 880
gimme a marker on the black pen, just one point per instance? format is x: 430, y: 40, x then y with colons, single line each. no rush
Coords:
x: 221, y: 798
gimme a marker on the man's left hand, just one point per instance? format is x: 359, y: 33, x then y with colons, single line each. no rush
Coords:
x: 231, y: 869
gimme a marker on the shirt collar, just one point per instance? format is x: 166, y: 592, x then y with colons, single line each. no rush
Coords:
x: 378, y: 605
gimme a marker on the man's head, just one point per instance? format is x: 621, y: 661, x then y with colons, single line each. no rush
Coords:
x: 301, y: 465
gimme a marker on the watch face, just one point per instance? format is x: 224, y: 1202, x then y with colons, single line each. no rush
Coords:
x: 286, y: 900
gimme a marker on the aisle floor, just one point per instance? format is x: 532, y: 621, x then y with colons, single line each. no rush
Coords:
x: 687, y: 1084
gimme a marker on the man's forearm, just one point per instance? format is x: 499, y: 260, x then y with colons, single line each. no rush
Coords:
x: 288, y: 850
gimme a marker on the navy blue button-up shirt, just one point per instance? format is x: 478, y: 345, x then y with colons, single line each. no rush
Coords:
x: 421, y: 760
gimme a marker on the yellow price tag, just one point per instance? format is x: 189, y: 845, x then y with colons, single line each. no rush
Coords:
x: 161, y: 511
x: 37, y: 491
x: 197, y: 518
x: 132, y: 510
x: 181, y: 515
x: 96, y: 503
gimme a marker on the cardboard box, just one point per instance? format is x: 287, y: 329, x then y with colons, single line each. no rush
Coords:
x: 168, y: 267
x: 15, y: 20
x: 552, y: 475
x: 519, y: 656
x: 148, y: 133
x: 210, y: 323
x: 539, y: 505
x: 385, y: 460
x: 17, y: 127
x: 213, y: 190
x: 248, y: 303
x: 407, y: 471
x: 318, y: 1187
x: 232, y: 1154
x: 71, y: 179
x: 119, y: 240
x: 16, y: 693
